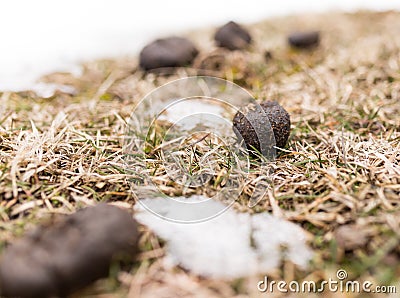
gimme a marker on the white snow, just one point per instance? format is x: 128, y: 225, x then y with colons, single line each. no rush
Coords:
x: 46, y: 90
x: 221, y: 247
x: 189, y: 113
x: 42, y: 36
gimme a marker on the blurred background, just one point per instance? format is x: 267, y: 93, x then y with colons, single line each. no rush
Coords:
x: 43, y: 36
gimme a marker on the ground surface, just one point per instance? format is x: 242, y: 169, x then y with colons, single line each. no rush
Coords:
x: 341, y: 166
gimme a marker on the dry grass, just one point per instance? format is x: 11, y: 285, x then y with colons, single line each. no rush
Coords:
x: 341, y: 165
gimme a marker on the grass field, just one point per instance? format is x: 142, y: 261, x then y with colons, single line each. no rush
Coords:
x: 341, y: 166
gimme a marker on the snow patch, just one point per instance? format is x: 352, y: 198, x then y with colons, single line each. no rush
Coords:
x: 187, y: 114
x: 230, y: 245
x: 47, y: 90
x: 44, y: 36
